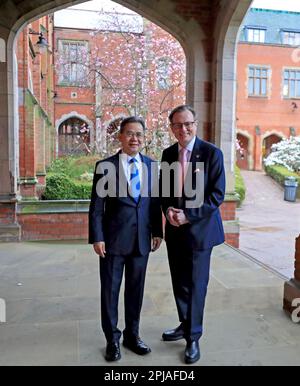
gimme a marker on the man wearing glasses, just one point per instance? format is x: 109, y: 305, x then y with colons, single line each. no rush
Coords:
x: 123, y: 228
x: 191, y: 231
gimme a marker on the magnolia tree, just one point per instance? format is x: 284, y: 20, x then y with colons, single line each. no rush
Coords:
x: 286, y: 153
x: 133, y: 68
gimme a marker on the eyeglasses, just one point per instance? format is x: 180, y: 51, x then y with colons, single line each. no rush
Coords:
x: 131, y: 134
x: 187, y: 125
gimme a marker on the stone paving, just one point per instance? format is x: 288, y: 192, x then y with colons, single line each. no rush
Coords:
x: 269, y: 225
x: 52, y: 297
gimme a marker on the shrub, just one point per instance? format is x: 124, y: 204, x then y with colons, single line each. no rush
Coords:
x: 60, y: 187
x: 240, y: 187
x: 280, y: 173
x: 285, y: 153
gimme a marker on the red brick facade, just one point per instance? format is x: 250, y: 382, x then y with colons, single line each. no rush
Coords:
x: 36, y: 106
x: 56, y: 226
x: 81, y: 102
x: 74, y: 226
x: 264, y: 120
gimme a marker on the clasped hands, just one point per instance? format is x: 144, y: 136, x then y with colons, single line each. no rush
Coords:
x: 176, y: 217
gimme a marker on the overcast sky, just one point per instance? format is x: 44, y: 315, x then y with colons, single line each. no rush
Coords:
x: 287, y: 5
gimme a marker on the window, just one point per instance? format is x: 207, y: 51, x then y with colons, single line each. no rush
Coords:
x: 162, y: 74
x: 291, y: 38
x: 291, y: 87
x: 256, y: 35
x: 72, y: 61
x: 74, y: 137
x: 258, y: 81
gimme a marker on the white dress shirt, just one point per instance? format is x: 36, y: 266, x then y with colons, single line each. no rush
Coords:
x: 126, y: 166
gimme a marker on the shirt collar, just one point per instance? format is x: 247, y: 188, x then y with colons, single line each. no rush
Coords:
x: 190, y: 146
x: 127, y: 157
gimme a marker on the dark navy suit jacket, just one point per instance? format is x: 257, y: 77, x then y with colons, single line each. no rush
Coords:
x: 120, y: 222
x: 205, y: 229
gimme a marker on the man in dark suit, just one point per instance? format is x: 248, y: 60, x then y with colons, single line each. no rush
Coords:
x: 123, y: 218
x: 192, y: 229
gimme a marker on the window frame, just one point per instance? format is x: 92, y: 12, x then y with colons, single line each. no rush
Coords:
x: 255, y: 77
x: 69, y: 82
x: 254, y: 29
x: 289, y: 33
x: 295, y: 79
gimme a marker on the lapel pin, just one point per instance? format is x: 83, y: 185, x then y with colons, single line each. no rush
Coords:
x: 197, y: 156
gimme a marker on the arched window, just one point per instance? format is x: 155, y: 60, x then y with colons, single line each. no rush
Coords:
x: 74, y: 137
x: 268, y: 142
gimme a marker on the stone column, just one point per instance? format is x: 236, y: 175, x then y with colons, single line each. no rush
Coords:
x: 9, y: 229
x: 28, y: 180
x: 40, y: 144
x: 223, y: 111
x: 291, y: 300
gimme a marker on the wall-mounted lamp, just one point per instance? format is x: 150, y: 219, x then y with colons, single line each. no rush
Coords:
x: 42, y: 43
x: 54, y: 93
x: 294, y: 106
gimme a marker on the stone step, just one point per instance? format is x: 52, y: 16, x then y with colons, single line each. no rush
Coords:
x: 10, y: 233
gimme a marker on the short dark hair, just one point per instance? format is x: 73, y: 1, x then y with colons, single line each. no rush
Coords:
x: 180, y: 109
x: 132, y: 119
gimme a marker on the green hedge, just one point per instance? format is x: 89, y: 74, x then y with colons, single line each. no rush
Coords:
x: 240, y: 187
x: 279, y: 174
x: 60, y: 187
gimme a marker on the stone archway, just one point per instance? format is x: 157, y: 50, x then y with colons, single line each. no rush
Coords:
x: 269, y: 139
x: 227, y: 31
x: 244, y: 158
x: 208, y: 35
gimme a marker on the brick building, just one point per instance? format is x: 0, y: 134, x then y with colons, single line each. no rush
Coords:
x: 110, y: 65
x: 36, y: 106
x: 268, y: 83
x: 207, y: 30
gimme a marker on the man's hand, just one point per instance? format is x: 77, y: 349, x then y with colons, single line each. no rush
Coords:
x: 170, y: 216
x: 156, y: 242
x: 176, y: 217
x: 180, y: 217
x: 99, y: 248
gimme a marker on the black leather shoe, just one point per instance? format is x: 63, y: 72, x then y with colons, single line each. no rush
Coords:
x: 172, y: 335
x: 136, y: 345
x: 113, y: 352
x: 192, y: 352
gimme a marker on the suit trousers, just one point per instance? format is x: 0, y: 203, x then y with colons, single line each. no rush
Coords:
x: 190, y: 276
x: 111, y: 274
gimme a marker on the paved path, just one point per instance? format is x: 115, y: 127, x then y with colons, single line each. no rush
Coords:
x: 269, y: 225
x: 52, y: 297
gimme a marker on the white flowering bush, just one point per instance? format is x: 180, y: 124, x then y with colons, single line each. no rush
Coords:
x: 285, y: 153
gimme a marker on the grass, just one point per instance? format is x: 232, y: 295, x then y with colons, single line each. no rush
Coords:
x: 74, y: 167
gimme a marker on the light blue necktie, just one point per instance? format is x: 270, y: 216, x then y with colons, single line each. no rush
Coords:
x: 135, y: 183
